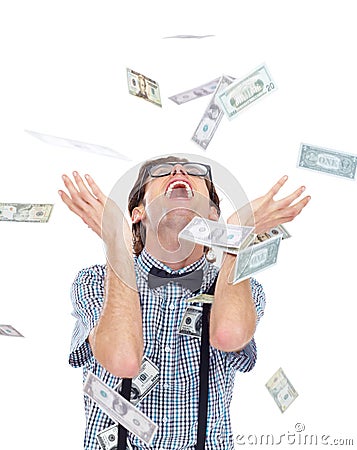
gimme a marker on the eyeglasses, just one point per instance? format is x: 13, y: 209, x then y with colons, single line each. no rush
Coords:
x: 191, y: 168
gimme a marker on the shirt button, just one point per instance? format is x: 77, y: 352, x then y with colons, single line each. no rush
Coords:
x: 167, y: 349
x: 172, y: 306
x: 166, y: 386
x: 165, y: 419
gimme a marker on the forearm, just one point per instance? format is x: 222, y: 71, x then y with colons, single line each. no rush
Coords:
x: 233, y: 314
x: 117, y: 341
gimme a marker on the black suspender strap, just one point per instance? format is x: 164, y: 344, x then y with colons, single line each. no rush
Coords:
x: 204, y: 373
x: 122, y: 432
x: 204, y: 369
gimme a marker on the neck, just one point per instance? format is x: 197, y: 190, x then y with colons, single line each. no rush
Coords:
x: 172, y: 252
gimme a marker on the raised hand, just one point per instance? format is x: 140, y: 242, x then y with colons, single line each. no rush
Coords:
x: 267, y: 212
x: 86, y: 202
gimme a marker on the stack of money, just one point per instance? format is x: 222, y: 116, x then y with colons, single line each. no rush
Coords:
x: 25, y: 212
x: 281, y: 390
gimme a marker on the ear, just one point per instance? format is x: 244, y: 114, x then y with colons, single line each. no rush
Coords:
x: 213, y: 214
x: 137, y: 214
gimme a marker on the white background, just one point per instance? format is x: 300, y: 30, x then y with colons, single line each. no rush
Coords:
x: 64, y: 73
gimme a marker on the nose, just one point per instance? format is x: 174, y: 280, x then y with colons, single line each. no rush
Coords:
x: 178, y: 168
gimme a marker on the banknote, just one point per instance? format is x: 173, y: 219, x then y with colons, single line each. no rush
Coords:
x: 191, y: 324
x: 119, y: 409
x: 79, y: 145
x: 108, y: 438
x: 219, y: 234
x: 201, y: 298
x: 189, y: 36
x: 327, y: 161
x: 25, y: 212
x: 144, y: 87
x: 144, y: 382
x: 9, y: 330
x: 280, y: 229
x: 211, y: 117
x: 197, y: 92
x: 241, y: 93
x: 256, y: 258
x: 281, y: 390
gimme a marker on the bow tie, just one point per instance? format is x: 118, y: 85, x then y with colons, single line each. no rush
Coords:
x: 158, y: 277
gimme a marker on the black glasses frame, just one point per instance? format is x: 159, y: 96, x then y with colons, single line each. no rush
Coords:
x: 148, y: 171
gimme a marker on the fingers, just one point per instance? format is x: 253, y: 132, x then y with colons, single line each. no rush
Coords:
x: 296, y: 209
x: 95, y: 189
x: 276, y: 188
x: 284, y: 202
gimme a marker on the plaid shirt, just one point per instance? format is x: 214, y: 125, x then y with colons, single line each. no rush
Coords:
x: 173, y: 403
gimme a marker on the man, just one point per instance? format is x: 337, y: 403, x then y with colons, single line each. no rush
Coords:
x: 118, y: 324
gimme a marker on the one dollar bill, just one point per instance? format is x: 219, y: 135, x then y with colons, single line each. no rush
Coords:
x: 25, y: 212
x: 256, y: 258
x: 119, y: 409
x: 144, y: 87
x: 241, y: 93
x: 327, y: 161
x: 211, y: 117
x: 216, y: 234
x: 197, y: 92
x: 281, y: 390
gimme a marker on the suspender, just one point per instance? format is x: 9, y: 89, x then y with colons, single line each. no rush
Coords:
x: 122, y: 432
x: 203, y: 393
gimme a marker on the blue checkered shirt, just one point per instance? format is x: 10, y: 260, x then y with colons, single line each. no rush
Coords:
x: 173, y: 403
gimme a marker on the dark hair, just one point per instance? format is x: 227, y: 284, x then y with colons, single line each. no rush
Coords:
x: 137, y: 194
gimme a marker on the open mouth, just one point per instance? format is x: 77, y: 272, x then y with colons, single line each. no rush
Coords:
x: 179, y: 189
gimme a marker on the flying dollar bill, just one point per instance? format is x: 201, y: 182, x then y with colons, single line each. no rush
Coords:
x: 25, y: 212
x: 108, y: 439
x: 241, y: 93
x: 119, y: 409
x: 197, y: 92
x: 211, y: 117
x: 9, y: 330
x: 144, y: 382
x: 212, y: 233
x: 191, y: 324
x: 143, y: 87
x: 79, y: 145
x: 327, y: 161
x: 189, y: 36
x: 256, y: 258
x: 281, y: 390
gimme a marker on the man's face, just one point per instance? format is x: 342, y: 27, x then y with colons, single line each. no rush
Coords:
x: 176, y: 198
